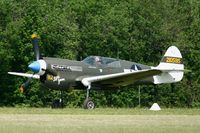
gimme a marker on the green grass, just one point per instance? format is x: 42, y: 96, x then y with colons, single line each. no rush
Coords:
x: 100, y: 120
x: 100, y: 111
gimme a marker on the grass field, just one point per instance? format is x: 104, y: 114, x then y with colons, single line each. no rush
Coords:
x: 108, y: 120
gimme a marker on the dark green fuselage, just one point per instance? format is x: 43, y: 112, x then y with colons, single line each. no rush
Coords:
x: 70, y: 72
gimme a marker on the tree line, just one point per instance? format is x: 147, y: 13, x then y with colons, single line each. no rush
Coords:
x: 135, y: 30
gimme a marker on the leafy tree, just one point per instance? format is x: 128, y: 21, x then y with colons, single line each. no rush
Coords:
x: 135, y: 30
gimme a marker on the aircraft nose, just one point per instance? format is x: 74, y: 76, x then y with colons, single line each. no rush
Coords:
x: 35, y: 66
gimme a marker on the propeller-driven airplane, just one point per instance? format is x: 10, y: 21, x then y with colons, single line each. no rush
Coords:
x: 95, y: 72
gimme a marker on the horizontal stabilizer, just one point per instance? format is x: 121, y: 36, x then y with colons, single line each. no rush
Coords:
x: 35, y: 76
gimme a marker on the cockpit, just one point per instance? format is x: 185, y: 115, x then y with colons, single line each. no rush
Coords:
x: 105, y: 61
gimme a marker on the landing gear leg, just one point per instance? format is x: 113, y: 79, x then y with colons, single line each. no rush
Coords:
x: 61, y: 99
x: 58, y: 103
x: 88, y: 103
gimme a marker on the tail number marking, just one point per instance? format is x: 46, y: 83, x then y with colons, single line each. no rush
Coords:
x: 173, y: 60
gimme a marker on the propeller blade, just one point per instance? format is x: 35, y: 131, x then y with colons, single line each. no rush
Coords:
x: 35, y: 45
x: 24, y: 85
x: 35, y: 76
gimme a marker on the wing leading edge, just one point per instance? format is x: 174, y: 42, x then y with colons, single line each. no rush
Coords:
x: 120, y: 79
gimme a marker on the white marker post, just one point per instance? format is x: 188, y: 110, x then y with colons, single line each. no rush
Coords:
x: 155, y: 107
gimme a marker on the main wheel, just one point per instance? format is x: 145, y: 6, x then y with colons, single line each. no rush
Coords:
x: 57, y: 104
x: 88, y: 104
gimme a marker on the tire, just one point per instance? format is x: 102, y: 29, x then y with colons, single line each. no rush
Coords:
x: 57, y: 104
x: 88, y: 104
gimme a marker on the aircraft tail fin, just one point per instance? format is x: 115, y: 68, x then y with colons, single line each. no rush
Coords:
x: 171, y: 66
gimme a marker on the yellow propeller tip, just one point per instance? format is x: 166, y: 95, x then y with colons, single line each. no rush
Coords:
x: 34, y: 35
x: 21, y: 89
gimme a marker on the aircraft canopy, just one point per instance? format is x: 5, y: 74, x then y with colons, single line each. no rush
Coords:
x: 95, y: 60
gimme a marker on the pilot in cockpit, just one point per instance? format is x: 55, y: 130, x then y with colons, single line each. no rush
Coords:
x: 98, y: 60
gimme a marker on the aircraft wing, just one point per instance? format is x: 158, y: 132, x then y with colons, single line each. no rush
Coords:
x: 120, y: 79
x: 35, y: 76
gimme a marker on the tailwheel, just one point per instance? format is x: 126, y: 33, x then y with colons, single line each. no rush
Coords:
x: 88, y: 104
